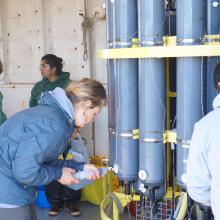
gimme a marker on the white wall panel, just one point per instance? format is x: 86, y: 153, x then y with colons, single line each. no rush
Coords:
x: 63, y: 34
x: 98, y: 41
x: 31, y: 28
x: 20, y: 38
x: 16, y: 98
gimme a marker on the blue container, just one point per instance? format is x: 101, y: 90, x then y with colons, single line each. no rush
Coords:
x: 41, y: 200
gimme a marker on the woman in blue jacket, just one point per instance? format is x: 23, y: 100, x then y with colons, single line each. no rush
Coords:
x: 32, y: 140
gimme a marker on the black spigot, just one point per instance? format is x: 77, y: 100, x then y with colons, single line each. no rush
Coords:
x: 127, y: 189
x: 152, y: 194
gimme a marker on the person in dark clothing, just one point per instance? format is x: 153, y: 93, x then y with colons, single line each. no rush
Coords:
x: 53, y: 76
x: 2, y: 114
x: 61, y: 196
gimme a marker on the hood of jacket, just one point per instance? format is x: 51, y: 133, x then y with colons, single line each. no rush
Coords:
x: 58, y: 99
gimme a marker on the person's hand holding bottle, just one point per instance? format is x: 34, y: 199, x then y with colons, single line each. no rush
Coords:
x: 67, y: 177
x: 91, y: 171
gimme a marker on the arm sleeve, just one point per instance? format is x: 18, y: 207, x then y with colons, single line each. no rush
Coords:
x: 32, y: 102
x: 33, y: 98
x: 214, y: 166
x: 2, y: 115
x: 29, y: 165
x: 67, y: 163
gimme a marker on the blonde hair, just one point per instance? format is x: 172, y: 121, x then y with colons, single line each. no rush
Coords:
x: 86, y: 89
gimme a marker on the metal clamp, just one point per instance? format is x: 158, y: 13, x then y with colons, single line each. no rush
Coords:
x: 169, y: 40
x: 132, y: 134
x: 111, y: 130
x: 151, y: 140
x: 119, y: 43
x: 170, y: 137
x: 153, y: 132
x: 148, y: 139
x: 135, y: 42
x: 212, y: 39
x: 182, y: 141
x: 190, y: 40
x: 126, y: 135
x: 150, y: 43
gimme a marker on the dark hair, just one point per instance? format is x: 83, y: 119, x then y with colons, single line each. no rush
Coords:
x: 87, y: 89
x: 1, y: 67
x: 217, y: 76
x: 54, y: 61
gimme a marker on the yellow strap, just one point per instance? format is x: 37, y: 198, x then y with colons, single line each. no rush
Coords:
x: 103, y: 206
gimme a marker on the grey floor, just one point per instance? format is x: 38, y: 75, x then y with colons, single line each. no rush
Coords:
x: 89, y: 212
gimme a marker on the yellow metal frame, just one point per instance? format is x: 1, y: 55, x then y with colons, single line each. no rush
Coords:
x: 170, y: 49
x: 170, y: 137
x: 169, y: 40
x: 160, y: 52
x: 124, y: 200
x: 212, y: 39
x: 136, y: 134
x: 169, y: 95
x: 103, y: 206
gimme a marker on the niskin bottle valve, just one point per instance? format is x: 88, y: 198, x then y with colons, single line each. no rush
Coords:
x: 215, y: 4
x: 142, y: 188
x: 142, y: 174
x: 115, y: 168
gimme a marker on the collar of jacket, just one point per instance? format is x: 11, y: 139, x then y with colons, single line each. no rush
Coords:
x: 48, y: 100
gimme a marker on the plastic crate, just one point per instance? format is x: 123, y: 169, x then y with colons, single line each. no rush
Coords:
x: 154, y: 211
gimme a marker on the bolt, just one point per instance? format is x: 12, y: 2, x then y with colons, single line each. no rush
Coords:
x: 215, y: 4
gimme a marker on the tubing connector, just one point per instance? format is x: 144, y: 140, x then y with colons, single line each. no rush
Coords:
x: 152, y: 196
x: 127, y: 189
x: 115, y: 168
x: 142, y: 188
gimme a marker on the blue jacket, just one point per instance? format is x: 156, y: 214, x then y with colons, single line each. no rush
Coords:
x: 30, y: 143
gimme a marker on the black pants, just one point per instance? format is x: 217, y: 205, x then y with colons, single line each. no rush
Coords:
x: 201, y: 212
x: 60, y: 195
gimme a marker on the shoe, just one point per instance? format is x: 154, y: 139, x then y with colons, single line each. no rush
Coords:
x: 54, y: 211
x: 73, y: 209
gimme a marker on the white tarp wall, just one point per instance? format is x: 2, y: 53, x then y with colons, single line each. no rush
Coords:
x: 31, y: 28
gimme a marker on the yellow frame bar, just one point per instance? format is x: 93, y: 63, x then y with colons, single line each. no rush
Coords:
x: 160, y: 52
x: 124, y: 200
